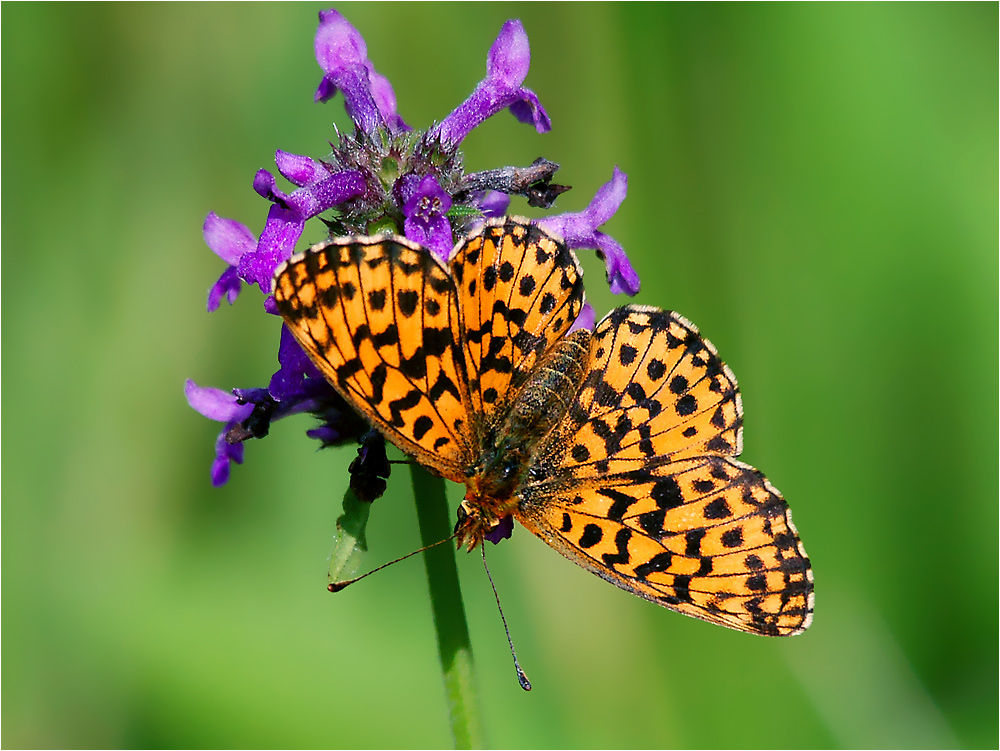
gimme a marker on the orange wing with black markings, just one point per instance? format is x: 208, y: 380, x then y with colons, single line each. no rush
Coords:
x: 379, y: 317
x: 519, y: 290
x: 639, y: 487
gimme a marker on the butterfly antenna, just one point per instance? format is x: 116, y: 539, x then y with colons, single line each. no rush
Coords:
x: 521, y: 677
x: 337, y: 586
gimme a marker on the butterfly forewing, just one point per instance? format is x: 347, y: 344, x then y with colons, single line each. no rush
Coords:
x: 380, y: 320
x: 519, y: 291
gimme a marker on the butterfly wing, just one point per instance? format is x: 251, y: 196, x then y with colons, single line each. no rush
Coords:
x: 379, y: 318
x: 519, y: 291
x: 640, y: 485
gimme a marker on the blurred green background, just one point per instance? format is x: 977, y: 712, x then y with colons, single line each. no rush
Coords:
x: 814, y: 185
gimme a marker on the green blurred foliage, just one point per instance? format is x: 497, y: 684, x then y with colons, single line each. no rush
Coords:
x: 814, y: 185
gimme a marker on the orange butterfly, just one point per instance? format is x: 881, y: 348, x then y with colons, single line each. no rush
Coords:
x: 616, y: 447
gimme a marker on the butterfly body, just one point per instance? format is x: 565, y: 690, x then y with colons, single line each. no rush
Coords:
x: 509, y: 450
x: 616, y: 447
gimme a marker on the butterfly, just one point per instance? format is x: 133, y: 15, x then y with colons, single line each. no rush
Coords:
x: 616, y: 446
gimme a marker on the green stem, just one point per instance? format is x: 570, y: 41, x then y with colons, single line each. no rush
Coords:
x: 452, y: 630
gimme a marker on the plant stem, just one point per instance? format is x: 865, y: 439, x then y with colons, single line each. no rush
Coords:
x: 452, y: 630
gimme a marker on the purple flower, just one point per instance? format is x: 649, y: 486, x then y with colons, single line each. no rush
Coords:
x: 579, y: 230
x: 296, y: 387
x: 425, y: 204
x: 342, y: 54
x: 319, y: 190
x: 506, y: 68
x: 382, y: 176
x: 218, y: 405
x: 229, y: 240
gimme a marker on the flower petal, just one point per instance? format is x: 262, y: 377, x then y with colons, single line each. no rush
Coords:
x: 299, y: 170
x: 215, y: 404
x: 342, y: 54
x: 586, y: 319
x: 227, y: 238
x: 225, y: 453
x: 507, y: 65
x: 579, y: 230
x: 502, y: 531
x: 228, y: 286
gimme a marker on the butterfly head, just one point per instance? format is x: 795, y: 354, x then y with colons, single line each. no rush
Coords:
x: 480, y: 516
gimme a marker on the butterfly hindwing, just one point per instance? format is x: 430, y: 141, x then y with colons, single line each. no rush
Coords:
x: 707, y: 536
x: 379, y: 318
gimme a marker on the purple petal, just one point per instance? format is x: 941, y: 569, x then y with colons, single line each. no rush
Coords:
x: 343, y: 56
x: 579, y: 230
x: 529, y: 110
x: 294, y: 367
x: 298, y: 170
x: 586, y: 319
x: 327, y: 192
x: 507, y: 65
x: 228, y: 286
x: 215, y: 404
x: 622, y: 277
x: 608, y: 198
x: 502, y: 531
x: 385, y: 100
x: 265, y: 185
x: 509, y: 57
x: 338, y: 45
x: 277, y: 242
x: 225, y: 453
x: 286, y: 218
x: 227, y: 238
x: 494, y: 203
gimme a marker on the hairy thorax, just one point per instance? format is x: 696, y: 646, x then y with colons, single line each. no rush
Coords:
x: 511, y: 441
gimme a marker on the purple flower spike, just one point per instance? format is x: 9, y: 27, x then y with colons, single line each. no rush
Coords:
x: 342, y: 54
x: 220, y: 406
x: 229, y: 240
x: 506, y: 68
x: 425, y: 204
x: 579, y: 230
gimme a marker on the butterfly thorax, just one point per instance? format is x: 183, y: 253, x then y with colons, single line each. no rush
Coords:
x: 521, y: 428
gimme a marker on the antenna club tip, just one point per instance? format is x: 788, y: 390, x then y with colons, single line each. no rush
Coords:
x: 523, y: 680
x: 336, y: 586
